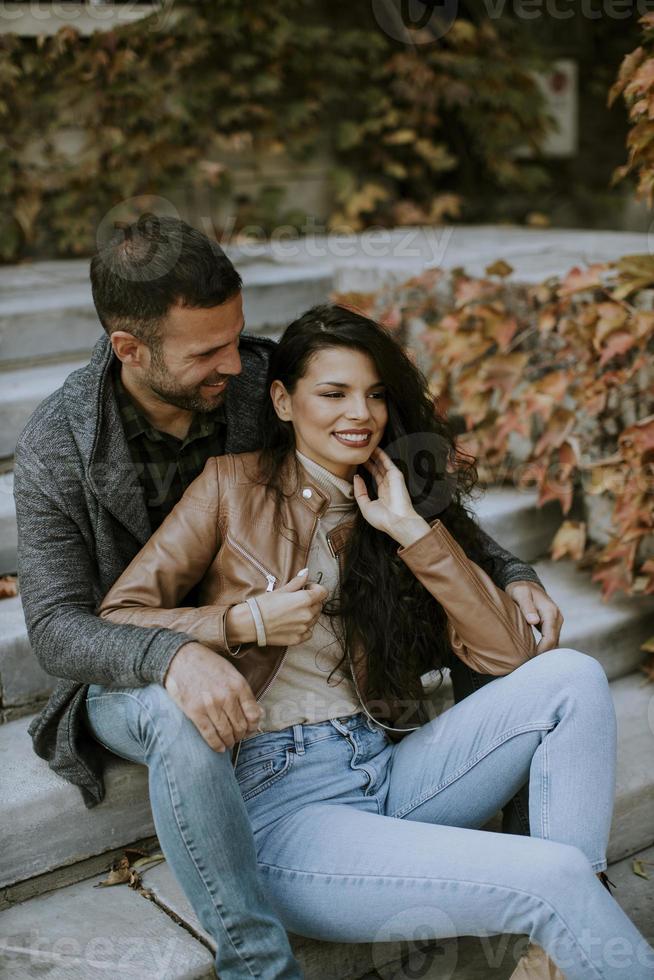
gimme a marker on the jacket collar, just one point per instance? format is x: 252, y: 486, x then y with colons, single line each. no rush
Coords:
x: 96, y: 427
x: 316, y: 499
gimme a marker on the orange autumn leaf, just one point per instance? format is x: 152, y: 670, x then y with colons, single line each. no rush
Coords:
x: 618, y: 343
x: 638, y: 437
x: 615, y: 569
x: 499, y: 268
x: 578, y: 280
x: 570, y: 539
x: 469, y: 290
x: 558, y: 429
x: 8, y: 586
x: 629, y: 65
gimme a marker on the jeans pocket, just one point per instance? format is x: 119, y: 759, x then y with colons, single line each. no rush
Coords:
x: 257, y: 776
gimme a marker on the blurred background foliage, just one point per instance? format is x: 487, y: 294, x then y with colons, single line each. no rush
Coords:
x: 412, y: 133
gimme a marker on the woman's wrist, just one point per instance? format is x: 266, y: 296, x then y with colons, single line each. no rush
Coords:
x: 406, y: 530
x: 239, y: 625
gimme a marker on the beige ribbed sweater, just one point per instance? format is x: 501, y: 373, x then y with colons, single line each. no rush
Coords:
x: 300, y: 693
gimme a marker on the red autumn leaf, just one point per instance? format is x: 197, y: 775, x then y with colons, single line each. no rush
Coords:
x: 469, y: 290
x: 638, y: 437
x: 558, y: 429
x: 503, y: 371
x: 618, y: 343
x: 578, y: 280
x: 615, y: 571
x: 391, y: 318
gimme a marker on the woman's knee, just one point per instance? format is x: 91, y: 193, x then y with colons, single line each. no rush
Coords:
x: 558, y: 869
x: 572, y: 666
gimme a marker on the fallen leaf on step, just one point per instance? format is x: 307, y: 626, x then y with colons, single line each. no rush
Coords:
x: 8, y: 586
x: 123, y: 871
x: 638, y: 869
x: 150, y: 861
x: 119, y: 874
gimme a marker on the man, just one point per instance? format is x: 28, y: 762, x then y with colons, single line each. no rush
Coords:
x: 99, y: 465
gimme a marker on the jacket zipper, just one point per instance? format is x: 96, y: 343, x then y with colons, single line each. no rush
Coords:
x: 271, y: 585
x: 271, y: 579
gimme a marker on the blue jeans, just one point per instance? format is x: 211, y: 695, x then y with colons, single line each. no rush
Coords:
x: 360, y: 839
x: 202, y: 826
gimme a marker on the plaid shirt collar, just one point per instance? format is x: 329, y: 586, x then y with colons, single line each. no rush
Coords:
x: 136, y: 424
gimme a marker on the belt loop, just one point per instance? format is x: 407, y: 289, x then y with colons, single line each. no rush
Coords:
x: 299, y: 739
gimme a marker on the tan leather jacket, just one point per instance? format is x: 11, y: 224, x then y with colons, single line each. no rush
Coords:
x: 221, y: 534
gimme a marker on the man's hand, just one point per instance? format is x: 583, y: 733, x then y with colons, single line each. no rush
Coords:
x: 212, y: 693
x: 289, y: 614
x: 539, y: 611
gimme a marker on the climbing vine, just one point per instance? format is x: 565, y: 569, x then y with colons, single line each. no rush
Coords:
x: 554, y: 389
x: 161, y: 106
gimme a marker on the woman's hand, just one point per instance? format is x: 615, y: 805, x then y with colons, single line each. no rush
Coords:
x: 393, y: 510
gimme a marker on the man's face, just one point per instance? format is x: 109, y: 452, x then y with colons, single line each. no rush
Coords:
x: 197, y: 356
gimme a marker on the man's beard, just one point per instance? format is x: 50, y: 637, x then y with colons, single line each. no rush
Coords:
x: 190, y: 399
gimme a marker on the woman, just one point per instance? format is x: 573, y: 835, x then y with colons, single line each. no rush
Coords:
x: 365, y: 813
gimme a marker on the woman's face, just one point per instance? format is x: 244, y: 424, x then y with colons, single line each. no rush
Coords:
x: 338, y: 409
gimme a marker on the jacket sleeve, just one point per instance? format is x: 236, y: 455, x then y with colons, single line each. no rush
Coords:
x: 60, y: 590
x: 174, y: 559
x: 485, y: 626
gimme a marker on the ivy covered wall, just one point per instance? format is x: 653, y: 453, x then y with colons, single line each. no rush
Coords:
x: 409, y: 130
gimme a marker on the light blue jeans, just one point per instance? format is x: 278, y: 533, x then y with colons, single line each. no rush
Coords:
x: 361, y: 839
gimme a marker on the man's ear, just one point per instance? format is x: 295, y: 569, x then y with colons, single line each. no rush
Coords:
x: 281, y: 401
x: 128, y: 348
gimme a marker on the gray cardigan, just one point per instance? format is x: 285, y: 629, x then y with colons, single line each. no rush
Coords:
x: 81, y: 519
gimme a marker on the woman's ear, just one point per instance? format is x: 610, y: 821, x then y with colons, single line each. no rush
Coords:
x: 281, y: 401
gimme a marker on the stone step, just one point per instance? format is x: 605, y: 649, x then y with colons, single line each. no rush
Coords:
x: 21, y: 391
x: 633, y: 816
x: 516, y: 522
x: 83, y: 931
x: 23, y: 682
x: 41, y: 318
x: 38, y: 806
x: 468, y: 957
x: 8, y: 531
x: 612, y: 632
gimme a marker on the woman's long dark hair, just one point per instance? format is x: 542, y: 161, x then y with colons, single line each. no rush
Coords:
x: 384, y: 609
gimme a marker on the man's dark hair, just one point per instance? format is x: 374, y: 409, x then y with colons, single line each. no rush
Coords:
x: 153, y: 264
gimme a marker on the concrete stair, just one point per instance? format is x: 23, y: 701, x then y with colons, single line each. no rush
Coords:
x: 38, y: 805
x: 54, y: 849
x: 72, y: 931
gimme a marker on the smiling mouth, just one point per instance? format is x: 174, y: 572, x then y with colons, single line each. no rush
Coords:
x: 353, y: 439
x: 217, y: 386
